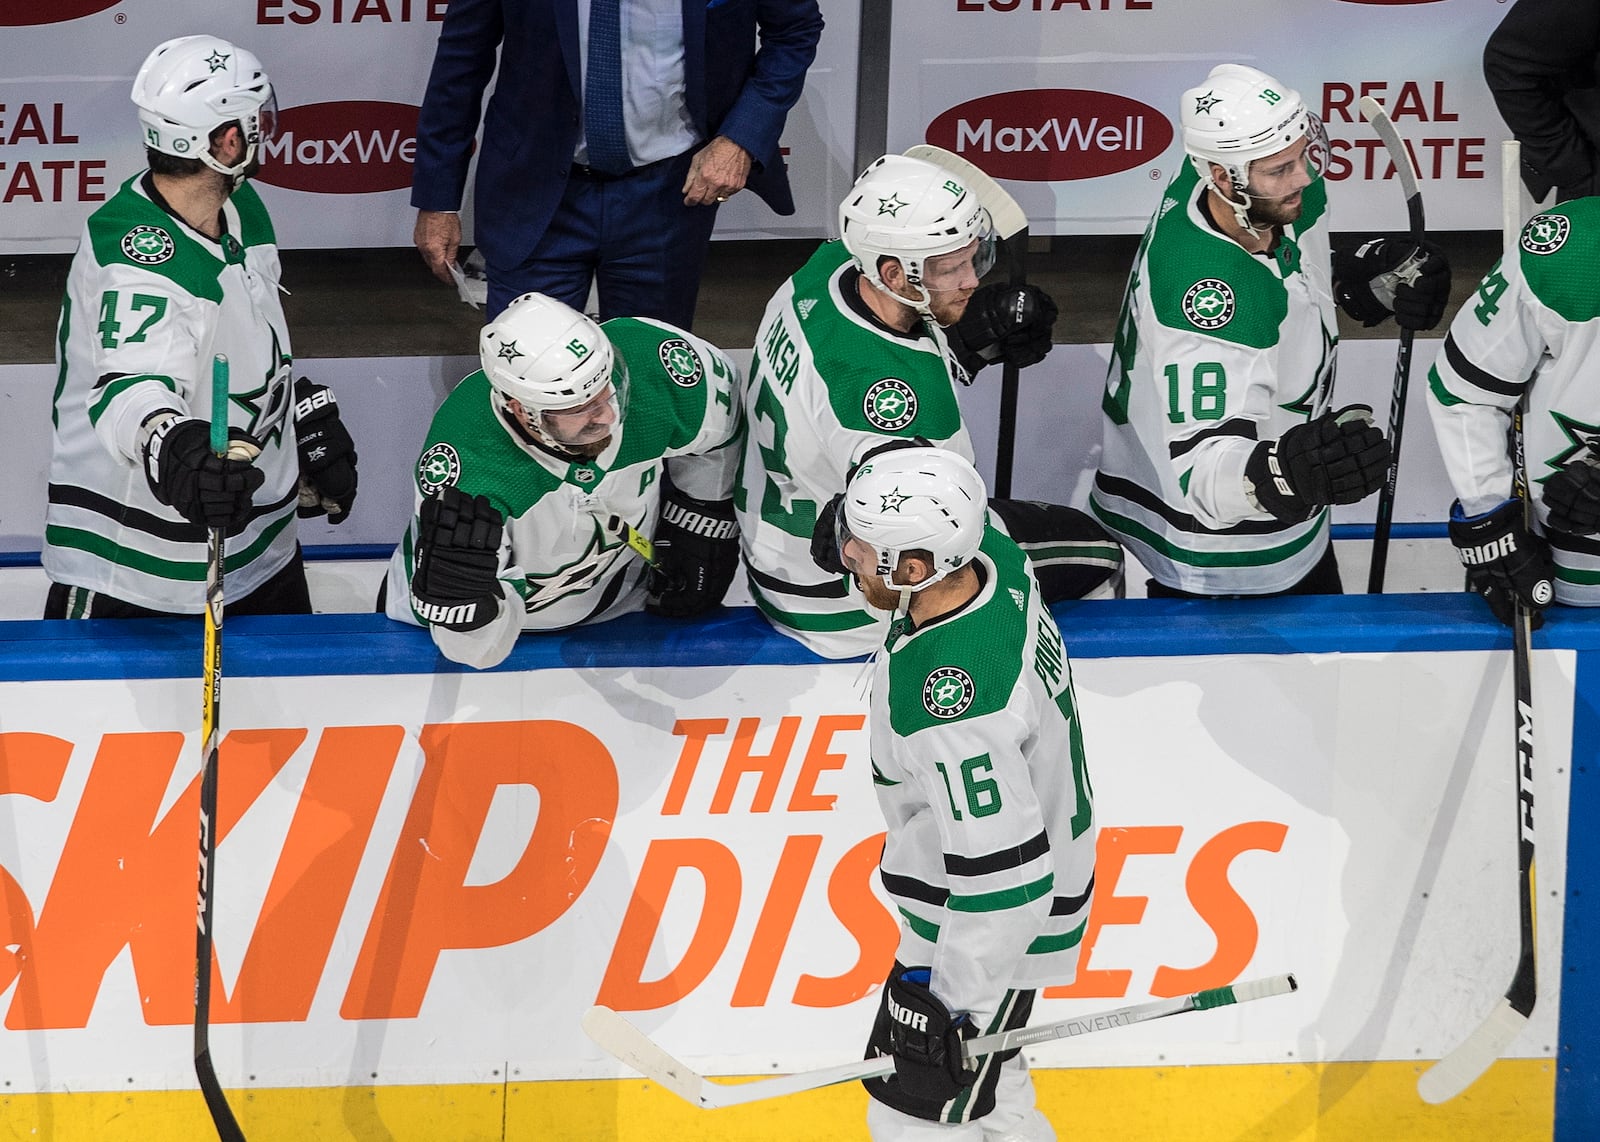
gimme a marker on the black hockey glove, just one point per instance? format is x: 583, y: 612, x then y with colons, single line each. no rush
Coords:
x: 1338, y: 458
x: 1003, y: 323
x: 1504, y: 561
x: 697, y: 554
x: 825, y: 538
x: 926, y: 1040
x: 327, y: 454
x: 204, y: 488
x: 1572, y: 497
x: 454, y: 581
x: 1387, y: 276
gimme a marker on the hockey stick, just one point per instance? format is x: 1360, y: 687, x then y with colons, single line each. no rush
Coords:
x: 211, y: 717
x: 626, y: 1042
x: 1011, y: 225
x: 1406, y: 169
x: 1474, y: 1055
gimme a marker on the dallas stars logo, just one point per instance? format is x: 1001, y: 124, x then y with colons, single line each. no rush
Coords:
x: 889, y: 405
x: 1545, y: 233
x: 217, y: 61
x: 894, y: 501
x: 1205, y: 103
x: 508, y: 351
x: 440, y: 466
x: 948, y: 692
x: 892, y: 205
x: 268, y: 404
x: 1581, y: 437
x: 680, y: 362
x: 148, y: 245
x: 1209, y: 303
x: 579, y: 574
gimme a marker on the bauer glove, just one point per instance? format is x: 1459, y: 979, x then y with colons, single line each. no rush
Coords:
x: 1505, y: 562
x: 1572, y: 497
x: 454, y: 580
x: 204, y: 488
x: 1003, y: 323
x: 1396, y: 276
x: 1338, y: 458
x: 926, y: 1040
x: 697, y: 554
x: 327, y: 454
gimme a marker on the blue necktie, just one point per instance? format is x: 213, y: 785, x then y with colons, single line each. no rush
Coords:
x: 602, y: 90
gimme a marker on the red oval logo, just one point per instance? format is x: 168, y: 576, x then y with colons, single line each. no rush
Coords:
x: 24, y: 13
x: 1053, y: 134
x: 357, y: 146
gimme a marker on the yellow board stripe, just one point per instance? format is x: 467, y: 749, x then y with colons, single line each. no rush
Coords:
x: 1336, y: 1102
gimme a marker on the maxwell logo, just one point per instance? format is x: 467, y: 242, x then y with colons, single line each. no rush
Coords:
x: 21, y: 13
x: 352, y: 147
x: 1053, y: 134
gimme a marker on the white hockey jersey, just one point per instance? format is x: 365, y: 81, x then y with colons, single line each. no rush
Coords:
x: 1532, y: 333
x: 978, y: 761
x: 560, y: 564
x: 149, y: 301
x: 1215, y: 350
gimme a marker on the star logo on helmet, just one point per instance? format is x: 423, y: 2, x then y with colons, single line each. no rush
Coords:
x: 217, y: 61
x: 894, y: 501
x: 948, y: 692
x: 1205, y: 103
x: 508, y: 351
x: 892, y: 205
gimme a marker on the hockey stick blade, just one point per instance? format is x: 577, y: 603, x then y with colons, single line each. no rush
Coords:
x: 627, y: 1043
x: 1473, y: 1056
x: 1008, y: 218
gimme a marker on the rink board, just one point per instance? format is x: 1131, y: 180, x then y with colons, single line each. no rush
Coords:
x: 427, y: 874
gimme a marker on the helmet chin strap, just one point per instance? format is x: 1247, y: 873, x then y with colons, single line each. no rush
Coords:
x: 235, y: 172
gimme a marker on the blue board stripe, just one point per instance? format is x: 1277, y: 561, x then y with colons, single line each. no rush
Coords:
x: 1577, y: 1046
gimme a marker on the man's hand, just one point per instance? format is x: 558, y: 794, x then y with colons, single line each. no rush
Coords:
x: 926, y: 1038
x: 1505, y: 562
x: 327, y: 454
x: 1393, y: 276
x: 1338, y: 458
x: 204, y: 488
x: 438, y: 237
x: 457, y: 560
x: 716, y: 173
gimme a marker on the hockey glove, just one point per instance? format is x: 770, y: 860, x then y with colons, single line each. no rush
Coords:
x: 1572, y: 497
x: 327, y: 454
x: 204, y: 488
x: 1505, y: 562
x: 697, y: 554
x: 825, y: 551
x: 1393, y: 276
x: 1003, y: 323
x: 926, y: 1040
x: 1338, y: 458
x: 454, y: 583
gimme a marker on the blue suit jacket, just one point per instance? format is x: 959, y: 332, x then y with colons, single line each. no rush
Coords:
x: 532, y: 122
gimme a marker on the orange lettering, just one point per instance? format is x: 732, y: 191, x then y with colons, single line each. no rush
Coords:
x: 697, y: 730
x: 874, y: 927
x: 768, y: 765
x: 817, y: 759
x: 31, y: 765
x: 776, y: 920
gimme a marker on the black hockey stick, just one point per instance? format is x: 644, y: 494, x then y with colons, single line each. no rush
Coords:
x: 1011, y: 224
x: 211, y: 717
x: 626, y: 1042
x: 1406, y: 169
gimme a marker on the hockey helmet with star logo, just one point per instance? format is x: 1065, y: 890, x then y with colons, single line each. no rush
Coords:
x: 188, y: 87
x: 913, y: 211
x: 1240, y: 114
x: 915, y: 499
x: 553, y: 361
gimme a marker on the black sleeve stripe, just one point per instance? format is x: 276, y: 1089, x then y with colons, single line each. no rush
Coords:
x: 1488, y: 382
x: 1142, y: 497
x: 1240, y: 426
x: 1014, y: 857
x: 106, y: 378
x: 1067, y: 905
x: 833, y: 589
x: 174, y: 531
x: 913, y: 889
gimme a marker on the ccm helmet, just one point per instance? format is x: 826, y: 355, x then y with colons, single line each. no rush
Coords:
x: 188, y: 87
x: 910, y: 499
x: 1240, y: 114
x: 912, y: 210
x: 551, y: 359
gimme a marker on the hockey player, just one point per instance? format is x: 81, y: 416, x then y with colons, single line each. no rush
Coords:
x: 1222, y: 449
x: 867, y: 342
x: 543, y: 471
x: 181, y: 264
x: 1529, y: 336
x: 978, y: 763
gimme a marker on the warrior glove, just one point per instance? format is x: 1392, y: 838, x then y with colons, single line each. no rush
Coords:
x: 825, y: 551
x: 697, y: 554
x: 926, y: 1040
x: 1393, y: 276
x: 454, y: 583
x: 1338, y: 458
x: 204, y: 488
x: 1505, y: 563
x: 327, y: 454
x: 1003, y: 323
x: 1572, y: 497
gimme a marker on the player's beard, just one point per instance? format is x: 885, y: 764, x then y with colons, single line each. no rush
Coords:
x: 877, y: 595
x: 1265, y: 213
x: 947, y: 306
x: 587, y: 451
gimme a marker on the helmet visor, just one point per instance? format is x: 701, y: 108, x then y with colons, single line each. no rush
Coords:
x: 961, y: 269
x: 593, y: 420
x: 267, y: 117
x: 1289, y: 171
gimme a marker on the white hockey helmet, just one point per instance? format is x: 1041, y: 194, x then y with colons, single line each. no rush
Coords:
x: 188, y: 87
x: 915, y: 499
x: 551, y: 359
x: 1240, y: 114
x: 912, y: 210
